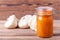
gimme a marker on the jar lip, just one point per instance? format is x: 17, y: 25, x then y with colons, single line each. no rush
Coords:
x: 41, y: 8
x: 44, y: 14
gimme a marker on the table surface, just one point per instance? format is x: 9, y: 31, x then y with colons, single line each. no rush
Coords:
x: 26, y: 34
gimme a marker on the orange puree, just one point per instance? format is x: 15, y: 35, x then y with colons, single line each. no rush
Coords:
x: 45, y: 24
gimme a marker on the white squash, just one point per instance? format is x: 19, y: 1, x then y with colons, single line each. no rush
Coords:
x: 23, y: 22
x: 11, y: 22
x: 33, y: 23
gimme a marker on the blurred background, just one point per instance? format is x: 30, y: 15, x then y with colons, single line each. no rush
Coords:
x: 23, y: 7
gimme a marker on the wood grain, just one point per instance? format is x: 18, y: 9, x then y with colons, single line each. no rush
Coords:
x: 28, y: 6
x: 22, y: 7
x: 5, y: 14
x: 12, y: 1
x: 26, y: 34
x: 27, y: 1
x: 8, y: 31
x: 27, y: 38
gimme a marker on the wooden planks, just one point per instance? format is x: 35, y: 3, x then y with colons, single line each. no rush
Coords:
x: 20, y: 11
x: 11, y: 1
x: 26, y: 34
x: 8, y: 31
x: 24, y: 7
x: 26, y: 1
x: 19, y: 14
x: 27, y: 38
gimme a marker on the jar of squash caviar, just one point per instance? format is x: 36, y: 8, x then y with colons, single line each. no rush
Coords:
x: 45, y: 22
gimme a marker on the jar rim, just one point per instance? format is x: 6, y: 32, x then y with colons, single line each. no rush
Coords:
x: 41, y: 8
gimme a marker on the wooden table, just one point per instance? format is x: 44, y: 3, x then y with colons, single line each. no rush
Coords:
x: 26, y: 34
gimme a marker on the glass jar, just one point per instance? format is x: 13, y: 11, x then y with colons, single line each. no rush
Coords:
x: 45, y: 22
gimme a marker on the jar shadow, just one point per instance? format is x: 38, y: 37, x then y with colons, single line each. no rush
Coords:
x: 57, y: 34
